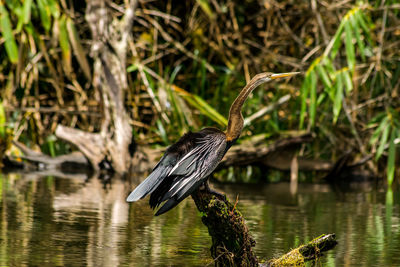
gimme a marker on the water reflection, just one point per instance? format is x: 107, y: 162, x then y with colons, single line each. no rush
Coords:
x: 72, y: 221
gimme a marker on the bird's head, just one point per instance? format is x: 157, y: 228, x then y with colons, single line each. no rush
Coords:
x: 269, y: 76
x: 235, y: 121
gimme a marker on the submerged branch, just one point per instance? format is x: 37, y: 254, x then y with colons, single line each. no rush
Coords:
x: 310, y: 251
x: 74, y: 162
x: 256, y: 151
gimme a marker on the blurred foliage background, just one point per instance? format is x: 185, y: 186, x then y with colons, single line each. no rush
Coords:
x: 188, y: 60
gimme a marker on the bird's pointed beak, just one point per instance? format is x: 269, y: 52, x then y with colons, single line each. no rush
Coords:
x: 282, y: 75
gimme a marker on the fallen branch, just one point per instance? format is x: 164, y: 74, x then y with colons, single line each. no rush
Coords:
x: 310, y: 251
x: 232, y: 244
x: 256, y: 151
x: 74, y: 162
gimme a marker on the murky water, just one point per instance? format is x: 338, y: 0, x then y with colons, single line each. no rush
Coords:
x: 49, y: 221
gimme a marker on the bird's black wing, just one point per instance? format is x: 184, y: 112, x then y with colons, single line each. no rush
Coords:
x: 158, y: 174
x: 189, y: 172
x: 182, y: 169
x: 173, y: 154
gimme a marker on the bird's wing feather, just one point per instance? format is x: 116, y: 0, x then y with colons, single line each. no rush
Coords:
x: 181, y: 170
x: 191, y: 170
x: 189, y: 162
x: 153, y: 180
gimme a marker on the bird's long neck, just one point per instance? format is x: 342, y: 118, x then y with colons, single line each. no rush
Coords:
x: 235, y: 121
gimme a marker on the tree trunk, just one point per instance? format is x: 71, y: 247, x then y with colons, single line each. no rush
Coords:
x: 108, y: 50
x: 232, y: 244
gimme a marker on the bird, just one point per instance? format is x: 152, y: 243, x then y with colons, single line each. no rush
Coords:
x: 187, y: 164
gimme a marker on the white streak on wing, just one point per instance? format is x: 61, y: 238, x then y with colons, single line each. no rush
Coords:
x: 201, y: 158
x: 182, y: 184
x: 199, y: 149
x: 173, y: 187
x: 186, y: 180
x: 182, y: 159
x: 202, y: 150
x: 190, y: 164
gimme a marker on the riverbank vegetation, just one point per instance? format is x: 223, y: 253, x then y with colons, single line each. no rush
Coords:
x: 186, y: 62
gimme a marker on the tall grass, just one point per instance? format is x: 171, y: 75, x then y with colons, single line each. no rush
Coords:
x: 188, y: 62
x: 331, y: 79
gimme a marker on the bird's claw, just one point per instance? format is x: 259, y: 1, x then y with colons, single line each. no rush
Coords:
x: 217, y: 194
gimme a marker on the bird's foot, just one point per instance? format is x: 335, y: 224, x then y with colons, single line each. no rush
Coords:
x: 217, y: 194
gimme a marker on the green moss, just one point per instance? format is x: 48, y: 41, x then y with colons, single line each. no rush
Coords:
x: 294, y: 258
x: 231, y: 242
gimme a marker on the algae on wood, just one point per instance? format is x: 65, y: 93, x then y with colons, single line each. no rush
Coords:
x: 231, y: 241
x: 232, y: 244
x: 307, y: 252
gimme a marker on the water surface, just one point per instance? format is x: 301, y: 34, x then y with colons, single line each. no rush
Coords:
x: 52, y: 221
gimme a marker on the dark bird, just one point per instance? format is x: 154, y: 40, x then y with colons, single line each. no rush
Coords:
x: 187, y: 164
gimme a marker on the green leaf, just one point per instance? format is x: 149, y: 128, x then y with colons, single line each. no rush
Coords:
x: 177, y: 110
x: 347, y: 81
x: 379, y: 130
x: 350, y: 52
x: 51, y: 145
x: 273, y: 124
x: 205, y: 6
x: 64, y: 44
x: 54, y: 8
x: 132, y: 68
x: 162, y: 132
x: 304, y: 91
x: 320, y: 99
x: 19, y: 11
x: 44, y: 12
x: 324, y: 76
x: 356, y: 31
x: 210, y: 112
x: 383, y: 141
x: 202, y: 106
x: 336, y: 42
x: 329, y: 68
x: 328, y: 65
x: 389, y: 199
x: 337, y: 103
x: 174, y: 73
x: 367, y: 31
x: 27, y: 11
x: 9, y: 41
x: 2, y: 121
x: 313, y: 97
x: 378, y: 118
x: 391, y: 158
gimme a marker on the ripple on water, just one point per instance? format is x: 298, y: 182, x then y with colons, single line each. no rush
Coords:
x: 67, y: 222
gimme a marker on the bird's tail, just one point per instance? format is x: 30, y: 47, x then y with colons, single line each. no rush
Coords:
x: 148, y: 185
x: 171, y: 203
x: 179, y: 196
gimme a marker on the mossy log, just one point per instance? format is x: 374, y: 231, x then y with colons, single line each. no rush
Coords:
x: 231, y: 241
x: 310, y: 251
x: 232, y: 244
